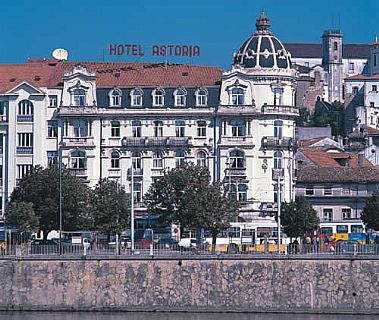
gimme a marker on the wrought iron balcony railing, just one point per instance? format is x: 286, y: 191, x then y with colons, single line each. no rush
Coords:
x: 275, y: 143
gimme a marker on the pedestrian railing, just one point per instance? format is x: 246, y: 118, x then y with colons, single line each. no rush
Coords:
x: 176, y: 250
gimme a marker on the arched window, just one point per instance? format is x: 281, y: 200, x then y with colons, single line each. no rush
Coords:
x: 25, y: 108
x: 79, y: 97
x: 278, y: 129
x: 237, y: 159
x: 157, y: 160
x: 115, y: 160
x: 115, y: 129
x: 158, y: 97
x: 115, y: 98
x: 136, y: 129
x: 136, y: 160
x: 158, y: 128
x: 80, y: 128
x: 201, y: 158
x: 180, y: 97
x: 201, y: 97
x: 136, y: 97
x: 237, y: 96
x: 78, y: 160
x: 278, y: 160
x: 180, y: 158
x: 335, y: 46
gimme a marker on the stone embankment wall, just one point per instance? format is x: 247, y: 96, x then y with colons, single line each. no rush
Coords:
x: 243, y: 285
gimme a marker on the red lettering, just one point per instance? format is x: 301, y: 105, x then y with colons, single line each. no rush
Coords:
x: 170, y: 47
x: 127, y: 46
x: 185, y: 51
x: 140, y: 51
x: 196, y: 51
x: 163, y: 50
x: 112, y: 49
x: 155, y: 51
x: 134, y: 49
x: 120, y: 50
x: 178, y: 50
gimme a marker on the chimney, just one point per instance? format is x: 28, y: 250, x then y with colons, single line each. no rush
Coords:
x: 361, y: 160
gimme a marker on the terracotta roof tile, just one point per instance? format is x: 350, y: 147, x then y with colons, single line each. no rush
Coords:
x: 334, y: 159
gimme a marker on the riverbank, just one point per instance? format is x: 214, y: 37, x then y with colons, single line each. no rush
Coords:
x: 300, y: 284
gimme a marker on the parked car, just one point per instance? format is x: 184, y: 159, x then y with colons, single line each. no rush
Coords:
x: 167, y: 243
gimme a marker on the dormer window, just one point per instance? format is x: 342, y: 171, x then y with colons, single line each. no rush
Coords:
x: 180, y: 97
x: 136, y: 97
x: 158, y: 97
x: 237, y: 96
x: 115, y: 98
x: 79, y: 97
x: 201, y: 97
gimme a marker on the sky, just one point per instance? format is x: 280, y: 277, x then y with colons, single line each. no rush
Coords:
x: 86, y: 28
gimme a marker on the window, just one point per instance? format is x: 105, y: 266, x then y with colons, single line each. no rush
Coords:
x: 328, y: 191
x: 278, y: 129
x: 355, y: 90
x: 79, y: 97
x: 80, y: 128
x: 351, y: 67
x: 158, y: 98
x: 343, y: 228
x: 237, y: 159
x: 335, y: 45
x: 158, y: 128
x: 157, y: 160
x: 278, y: 160
x: 201, y: 128
x: 115, y: 160
x: 115, y: 98
x: 242, y: 192
x: 137, y: 191
x: 25, y: 139
x: 372, y: 105
x: 136, y: 160
x: 357, y: 228
x: 374, y: 87
x: 309, y: 191
x: 52, y: 128
x: 78, y: 160
x: 346, y: 214
x: 179, y: 158
x: 115, y: 129
x: 232, y: 191
x: 201, y: 98
x: 306, y: 64
x: 180, y: 97
x: 23, y: 170
x: 238, y: 128
x: 327, y: 215
x: 53, y: 101
x: 237, y: 96
x: 180, y: 126
x: 201, y: 159
x: 136, y: 129
x: 25, y: 108
x: 52, y: 158
x: 278, y: 96
x: 346, y: 191
x: 136, y: 97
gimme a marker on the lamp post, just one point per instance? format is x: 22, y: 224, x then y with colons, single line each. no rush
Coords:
x: 279, y: 204
x: 228, y: 164
x: 60, y: 145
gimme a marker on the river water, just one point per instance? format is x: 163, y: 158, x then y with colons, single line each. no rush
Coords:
x: 171, y: 316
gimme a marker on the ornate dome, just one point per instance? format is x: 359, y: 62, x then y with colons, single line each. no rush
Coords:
x: 263, y: 49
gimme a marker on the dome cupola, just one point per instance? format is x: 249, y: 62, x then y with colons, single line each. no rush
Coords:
x: 262, y: 49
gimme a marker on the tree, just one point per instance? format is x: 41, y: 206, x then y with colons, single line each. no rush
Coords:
x: 41, y: 188
x: 110, y: 206
x: 216, y: 210
x: 175, y: 196
x: 22, y: 215
x: 329, y: 115
x: 299, y: 218
x: 370, y: 213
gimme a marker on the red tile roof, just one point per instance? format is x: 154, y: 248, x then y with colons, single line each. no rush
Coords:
x: 363, y: 77
x: 370, y: 130
x: 309, y: 142
x: 334, y: 159
x: 49, y: 73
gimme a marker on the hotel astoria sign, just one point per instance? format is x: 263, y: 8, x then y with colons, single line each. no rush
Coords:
x: 156, y: 50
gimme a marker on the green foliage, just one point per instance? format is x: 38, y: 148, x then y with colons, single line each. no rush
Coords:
x: 370, y: 214
x: 22, y: 215
x: 41, y: 188
x: 110, y: 207
x: 303, y: 118
x: 299, y: 218
x: 333, y: 117
x: 185, y: 196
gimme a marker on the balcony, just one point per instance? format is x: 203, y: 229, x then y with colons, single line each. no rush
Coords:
x: 246, y: 141
x: 236, y: 109
x: 76, y: 111
x: 277, y: 174
x: 285, y: 110
x: 24, y: 118
x: 279, y: 143
x: 235, y: 172
x: 179, y: 141
x: 79, y: 142
x: 79, y: 172
x: 137, y: 173
x: 24, y: 150
x: 148, y: 142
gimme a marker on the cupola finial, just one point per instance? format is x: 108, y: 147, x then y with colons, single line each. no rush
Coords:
x: 263, y: 23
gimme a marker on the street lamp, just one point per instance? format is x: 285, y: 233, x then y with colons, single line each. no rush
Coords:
x: 228, y: 164
x: 60, y: 145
